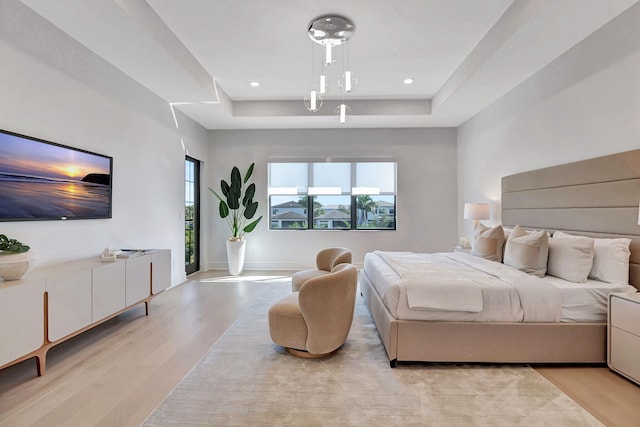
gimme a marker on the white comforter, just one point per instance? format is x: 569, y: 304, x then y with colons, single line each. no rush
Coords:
x: 482, y: 289
x: 435, y: 282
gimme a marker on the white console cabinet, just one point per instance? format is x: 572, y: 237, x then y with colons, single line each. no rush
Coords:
x: 58, y: 302
x: 624, y: 334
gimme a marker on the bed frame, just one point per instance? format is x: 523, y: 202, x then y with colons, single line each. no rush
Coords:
x: 596, y: 197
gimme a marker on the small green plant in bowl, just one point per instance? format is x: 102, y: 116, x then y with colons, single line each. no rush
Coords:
x: 11, y: 246
x: 15, y: 259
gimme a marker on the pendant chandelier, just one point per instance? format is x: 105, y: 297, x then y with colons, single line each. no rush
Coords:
x: 330, y: 31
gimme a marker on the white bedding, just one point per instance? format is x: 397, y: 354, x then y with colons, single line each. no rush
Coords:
x: 586, y: 302
x: 506, y: 293
x: 451, y: 288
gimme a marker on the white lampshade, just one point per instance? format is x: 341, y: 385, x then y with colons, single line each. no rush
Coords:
x: 476, y: 211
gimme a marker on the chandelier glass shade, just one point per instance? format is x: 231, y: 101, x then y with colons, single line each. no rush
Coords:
x: 330, y: 31
x: 323, y: 84
x: 348, y: 81
x: 313, y: 101
x: 343, y: 112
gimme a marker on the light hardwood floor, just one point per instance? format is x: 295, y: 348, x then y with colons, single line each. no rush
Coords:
x: 117, y: 373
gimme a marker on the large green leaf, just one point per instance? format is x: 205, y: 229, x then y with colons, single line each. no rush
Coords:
x: 249, y: 172
x: 224, y: 209
x: 235, y: 190
x: 249, y: 228
x: 250, y: 209
x: 236, y: 181
x: 233, y: 201
x: 225, y: 188
x: 248, y: 194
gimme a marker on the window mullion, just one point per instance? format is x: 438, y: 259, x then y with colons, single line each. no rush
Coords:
x: 310, y: 183
x: 353, y: 183
x: 354, y: 213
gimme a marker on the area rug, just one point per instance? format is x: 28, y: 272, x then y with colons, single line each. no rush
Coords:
x: 246, y: 380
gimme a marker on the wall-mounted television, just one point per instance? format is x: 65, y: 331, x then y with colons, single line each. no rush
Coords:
x: 44, y: 180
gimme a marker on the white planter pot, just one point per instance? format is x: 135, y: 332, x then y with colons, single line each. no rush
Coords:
x: 235, y: 256
x: 15, y: 266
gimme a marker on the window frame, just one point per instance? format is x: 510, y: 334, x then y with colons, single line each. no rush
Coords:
x: 311, y: 196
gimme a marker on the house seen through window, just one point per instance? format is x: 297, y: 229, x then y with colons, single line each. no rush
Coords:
x: 332, y: 196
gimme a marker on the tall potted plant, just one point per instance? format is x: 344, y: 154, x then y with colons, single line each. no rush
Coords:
x: 237, y: 207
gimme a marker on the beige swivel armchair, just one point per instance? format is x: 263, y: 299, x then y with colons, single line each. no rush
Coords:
x: 315, y: 321
x: 326, y: 260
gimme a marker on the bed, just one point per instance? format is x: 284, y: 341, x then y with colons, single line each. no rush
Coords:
x: 597, y: 198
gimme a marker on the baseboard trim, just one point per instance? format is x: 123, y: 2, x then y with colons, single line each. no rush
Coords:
x: 274, y: 266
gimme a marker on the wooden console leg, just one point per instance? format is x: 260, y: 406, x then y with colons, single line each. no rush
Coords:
x: 146, y: 307
x: 41, y: 354
x: 41, y: 361
x: 40, y: 366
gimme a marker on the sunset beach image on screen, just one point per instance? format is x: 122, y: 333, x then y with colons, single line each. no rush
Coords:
x: 41, y: 180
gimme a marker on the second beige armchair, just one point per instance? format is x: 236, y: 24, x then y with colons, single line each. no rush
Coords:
x: 326, y: 260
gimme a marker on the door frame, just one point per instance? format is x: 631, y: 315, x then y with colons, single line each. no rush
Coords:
x: 195, y: 266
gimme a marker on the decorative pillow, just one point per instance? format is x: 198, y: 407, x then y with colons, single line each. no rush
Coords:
x: 610, y: 261
x: 570, y: 258
x: 507, y: 233
x: 527, y: 252
x: 488, y: 242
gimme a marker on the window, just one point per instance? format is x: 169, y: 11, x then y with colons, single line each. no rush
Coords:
x: 332, y: 196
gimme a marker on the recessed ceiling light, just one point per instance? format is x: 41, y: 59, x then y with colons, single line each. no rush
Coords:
x: 254, y: 84
x: 408, y: 81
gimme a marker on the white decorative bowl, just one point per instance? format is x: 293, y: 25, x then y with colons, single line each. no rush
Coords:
x: 15, y: 266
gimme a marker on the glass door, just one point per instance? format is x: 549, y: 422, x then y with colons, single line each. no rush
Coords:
x: 192, y: 215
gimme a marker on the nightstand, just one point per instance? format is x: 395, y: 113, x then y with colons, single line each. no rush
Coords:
x: 623, y: 342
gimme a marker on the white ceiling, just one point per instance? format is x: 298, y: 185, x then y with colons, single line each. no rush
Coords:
x: 201, y: 55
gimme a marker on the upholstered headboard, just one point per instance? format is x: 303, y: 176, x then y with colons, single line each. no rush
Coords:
x: 597, y: 197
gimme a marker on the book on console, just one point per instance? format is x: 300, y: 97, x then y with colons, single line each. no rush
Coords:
x: 130, y: 253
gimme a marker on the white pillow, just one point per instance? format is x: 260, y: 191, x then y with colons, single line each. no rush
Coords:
x: 507, y: 233
x: 570, y: 258
x: 488, y: 242
x: 610, y: 261
x: 527, y: 252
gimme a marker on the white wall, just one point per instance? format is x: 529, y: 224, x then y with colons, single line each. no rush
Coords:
x: 55, y: 89
x: 584, y: 104
x: 426, y: 200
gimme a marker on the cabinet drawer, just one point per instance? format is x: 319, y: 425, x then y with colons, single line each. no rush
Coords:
x: 138, y: 279
x: 625, y: 315
x: 69, y: 303
x: 22, y: 314
x: 160, y: 270
x: 625, y: 348
x: 108, y: 289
